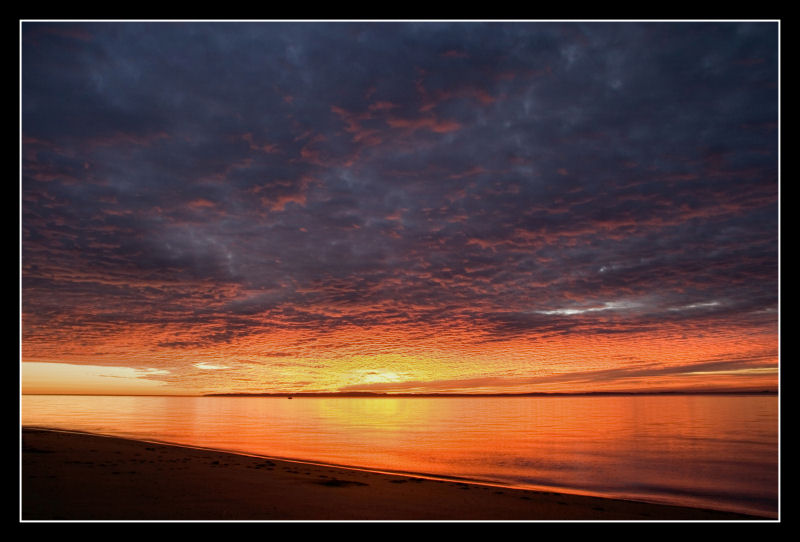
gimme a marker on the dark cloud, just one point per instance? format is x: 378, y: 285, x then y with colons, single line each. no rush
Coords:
x: 533, y: 178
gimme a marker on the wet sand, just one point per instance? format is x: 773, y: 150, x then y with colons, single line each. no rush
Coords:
x: 83, y: 477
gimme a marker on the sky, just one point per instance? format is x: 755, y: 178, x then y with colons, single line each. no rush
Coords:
x: 416, y: 206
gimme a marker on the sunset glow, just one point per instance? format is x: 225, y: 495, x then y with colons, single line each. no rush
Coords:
x: 399, y: 207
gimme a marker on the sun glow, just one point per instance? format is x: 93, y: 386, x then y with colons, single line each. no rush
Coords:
x: 381, y: 376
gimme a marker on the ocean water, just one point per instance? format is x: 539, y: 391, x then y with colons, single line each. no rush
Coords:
x: 708, y: 451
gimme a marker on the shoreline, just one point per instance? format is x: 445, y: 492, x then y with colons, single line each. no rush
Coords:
x: 77, y: 476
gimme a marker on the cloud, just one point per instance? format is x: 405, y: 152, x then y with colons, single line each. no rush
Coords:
x: 575, y: 380
x: 535, y: 178
x: 210, y: 366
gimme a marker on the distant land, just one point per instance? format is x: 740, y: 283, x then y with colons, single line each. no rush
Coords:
x: 367, y: 394
x: 531, y: 394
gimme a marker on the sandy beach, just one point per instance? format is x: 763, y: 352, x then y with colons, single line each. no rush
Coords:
x: 83, y: 477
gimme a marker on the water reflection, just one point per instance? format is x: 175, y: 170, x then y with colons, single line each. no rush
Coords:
x: 682, y: 449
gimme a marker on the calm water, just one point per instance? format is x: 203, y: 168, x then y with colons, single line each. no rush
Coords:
x: 707, y: 451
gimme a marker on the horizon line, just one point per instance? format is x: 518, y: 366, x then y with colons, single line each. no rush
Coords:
x: 368, y: 394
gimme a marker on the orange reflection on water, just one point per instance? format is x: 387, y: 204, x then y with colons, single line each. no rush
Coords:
x: 681, y: 449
